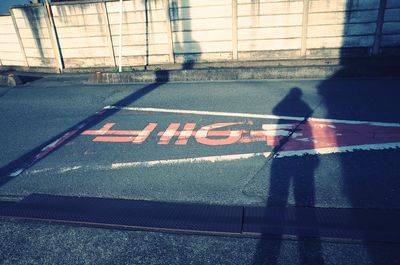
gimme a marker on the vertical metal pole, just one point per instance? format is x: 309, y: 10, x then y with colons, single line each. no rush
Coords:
x: 53, y: 36
x: 379, y: 25
x: 121, y: 7
x: 107, y: 30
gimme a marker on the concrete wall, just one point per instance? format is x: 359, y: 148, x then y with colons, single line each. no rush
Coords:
x: 10, y: 49
x: 188, y: 31
x: 145, y: 39
x: 336, y: 27
x: 35, y: 36
x: 83, y: 35
x: 269, y: 29
x: 202, y: 30
x: 390, y: 41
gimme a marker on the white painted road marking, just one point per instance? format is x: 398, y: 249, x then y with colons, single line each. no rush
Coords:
x: 232, y: 157
x: 249, y: 115
x: 215, y: 159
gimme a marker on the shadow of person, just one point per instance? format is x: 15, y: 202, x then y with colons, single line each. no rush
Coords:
x: 297, y: 172
x: 369, y: 179
x: 187, y: 49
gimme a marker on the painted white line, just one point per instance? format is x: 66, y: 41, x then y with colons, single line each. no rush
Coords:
x: 375, y: 123
x: 342, y: 149
x: 212, y: 159
x: 249, y: 115
x: 68, y: 169
x: 16, y: 172
x: 224, y: 158
x: 210, y: 113
x: 152, y: 163
x: 221, y: 158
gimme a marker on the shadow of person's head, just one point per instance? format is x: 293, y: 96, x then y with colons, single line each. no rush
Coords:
x: 292, y: 104
x: 295, y: 93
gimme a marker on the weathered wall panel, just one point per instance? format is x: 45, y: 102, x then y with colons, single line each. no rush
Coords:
x: 202, y: 24
x: 269, y: 25
x: 199, y: 30
x: 390, y: 40
x: 82, y: 33
x: 199, y: 12
x: 201, y: 27
x: 392, y: 3
x: 138, y: 28
x: 10, y: 50
x: 342, y: 5
x: 338, y: 18
x: 35, y: 37
x: 392, y: 14
x: 346, y: 41
x: 145, y: 39
x: 391, y: 26
x: 341, y: 24
x: 252, y: 8
x: 266, y: 45
x: 269, y: 33
x: 270, y: 21
x: 338, y: 30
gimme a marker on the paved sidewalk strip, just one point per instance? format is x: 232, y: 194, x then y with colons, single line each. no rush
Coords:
x: 342, y: 223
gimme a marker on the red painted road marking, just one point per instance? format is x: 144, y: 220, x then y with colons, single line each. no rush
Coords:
x: 316, y: 136
x: 137, y: 137
x: 230, y: 137
x: 186, y: 133
x: 167, y: 135
x: 145, y: 133
x: 306, y: 136
x: 328, y: 134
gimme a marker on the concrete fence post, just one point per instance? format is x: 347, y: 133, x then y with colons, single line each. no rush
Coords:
x: 53, y: 35
x: 21, y: 45
x: 169, y: 31
x: 107, y: 30
x: 234, y: 30
x: 304, y: 29
x: 379, y: 25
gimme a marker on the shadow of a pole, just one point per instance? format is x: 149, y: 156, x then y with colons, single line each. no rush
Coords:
x: 27, y: 160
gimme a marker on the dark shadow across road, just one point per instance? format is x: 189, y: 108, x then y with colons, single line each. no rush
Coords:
x: 17, y: 166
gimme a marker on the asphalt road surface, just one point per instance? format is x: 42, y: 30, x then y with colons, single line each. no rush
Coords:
x: 259, y: 143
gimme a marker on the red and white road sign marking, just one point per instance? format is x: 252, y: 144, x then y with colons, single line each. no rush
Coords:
x: 315, y: 136
x: 305, y: 136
